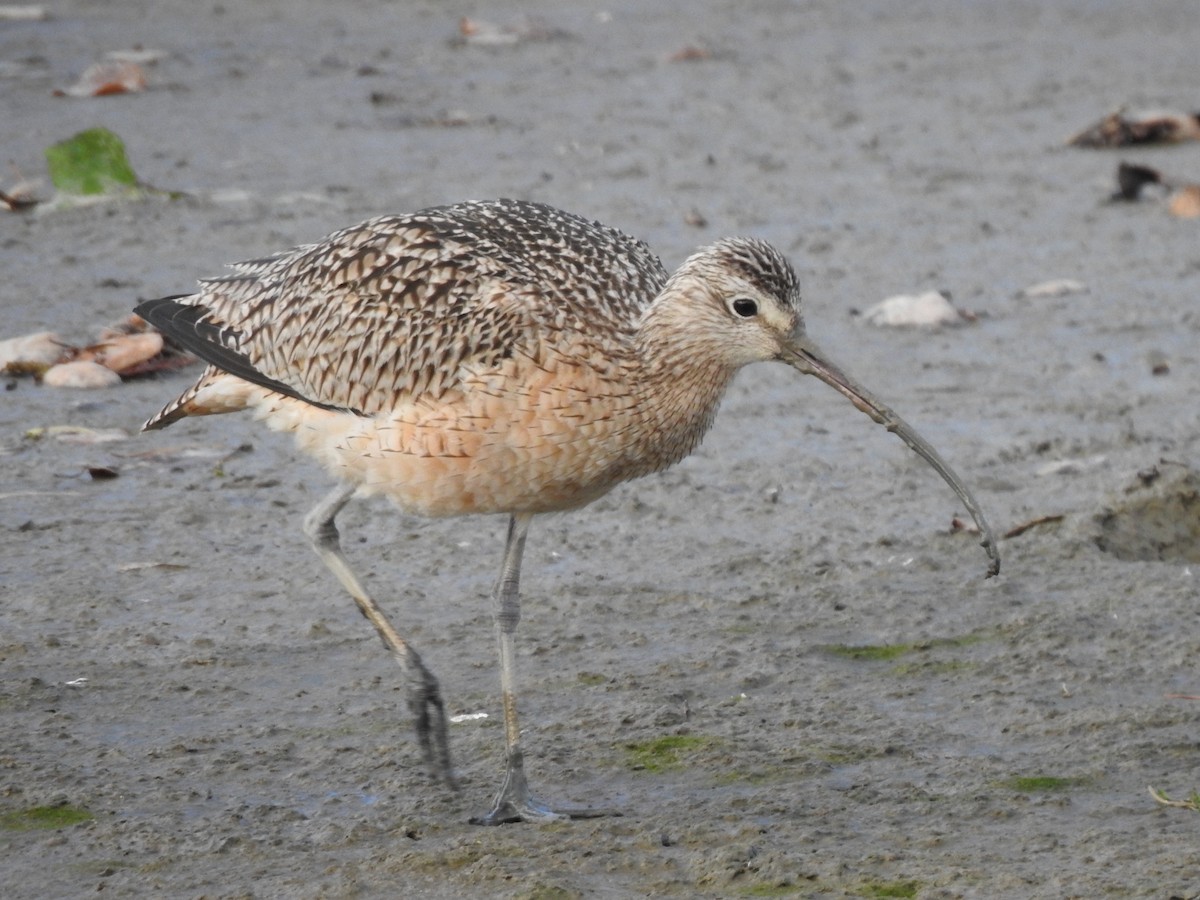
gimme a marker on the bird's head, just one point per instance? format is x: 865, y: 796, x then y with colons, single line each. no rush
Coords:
x: 738, y: 301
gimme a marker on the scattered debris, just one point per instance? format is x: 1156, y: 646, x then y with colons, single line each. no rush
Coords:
x: 77, y: 434
x: 1192, y: 802
x: 44, y: 348
x: 1159, y: 362
x: 488, y: 34
x: 1122, y: 129
x: 103, y: 79
x: 1142, y: 182
x: 140, y: 56
x: 690, y: 53
x: 21, y: 195
x: 91, y: 162
x: 958, y: 526
x: 1070, y: 466
x: 467, y: 717
x: 81, y: 373
x: 928, y: 310
x: 9, y: 13
x: 1132, y: 181
x: 1056, y: 287
x: 1032, y: 523
x: 695, y: 219
x: 124, y: 352
x: 138, y: 566
x: 1185, y: 203
x: 129, y: 349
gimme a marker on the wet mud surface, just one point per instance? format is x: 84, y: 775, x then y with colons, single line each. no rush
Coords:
x: 776, y: 658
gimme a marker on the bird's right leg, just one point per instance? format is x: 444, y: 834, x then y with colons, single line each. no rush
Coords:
x: 424, y: 694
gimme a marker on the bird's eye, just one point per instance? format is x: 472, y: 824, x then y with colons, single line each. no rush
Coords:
x: 744, y: 307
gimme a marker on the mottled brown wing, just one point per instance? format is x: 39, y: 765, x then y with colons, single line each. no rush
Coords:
x: 403, y: 306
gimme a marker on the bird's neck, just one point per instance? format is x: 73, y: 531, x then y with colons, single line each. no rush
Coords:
x: 680, y: 383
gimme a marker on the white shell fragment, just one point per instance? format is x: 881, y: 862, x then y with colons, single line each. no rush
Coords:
x: 1055, y: 287
x: 927, y: 310
x: 80, y: 374
x: 42, y: 348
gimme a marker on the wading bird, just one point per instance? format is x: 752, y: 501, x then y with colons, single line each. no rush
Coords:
x: 492, y: 357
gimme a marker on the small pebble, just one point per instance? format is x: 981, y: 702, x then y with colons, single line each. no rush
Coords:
x: 80, y: 374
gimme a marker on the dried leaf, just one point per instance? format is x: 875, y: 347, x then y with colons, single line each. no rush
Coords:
x: 104, y: 78
x: 1032, y: 523
x: 1120, y: 129
x: 19, y: 198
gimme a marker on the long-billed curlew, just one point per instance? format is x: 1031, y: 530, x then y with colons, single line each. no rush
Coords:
x: 492, y: 357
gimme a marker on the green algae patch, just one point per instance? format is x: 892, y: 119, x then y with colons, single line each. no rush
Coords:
x: 893, y: 652
x: 882, y: 889
x: 90, y: 163
x: 869, y: 652
x: 772, y: 890
x: 1041, y: 784
x: 44, y: 818
x: 669, y: 752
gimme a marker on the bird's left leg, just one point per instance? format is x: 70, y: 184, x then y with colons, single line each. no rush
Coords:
x: 514, y: 802
x: 424, y: 694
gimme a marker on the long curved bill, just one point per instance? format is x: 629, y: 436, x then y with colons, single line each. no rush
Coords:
x: 804, y: 356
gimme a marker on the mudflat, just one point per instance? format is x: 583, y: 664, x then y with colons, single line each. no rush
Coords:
x: 778, y: 659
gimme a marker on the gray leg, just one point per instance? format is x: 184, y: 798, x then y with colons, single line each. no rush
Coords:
x: 514, y: 803
x: 424, y: 695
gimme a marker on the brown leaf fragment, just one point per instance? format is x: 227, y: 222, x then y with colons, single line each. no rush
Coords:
x: 1032, y: 523
x: 690, y: 53
x: 124, y: 352
x: 102, y: 473
x: 1120, y: 129
x: 17, y: 201
x: 105, y: 78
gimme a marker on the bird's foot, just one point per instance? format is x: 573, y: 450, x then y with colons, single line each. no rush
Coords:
x: 429, y: 715
x: 515, y: 803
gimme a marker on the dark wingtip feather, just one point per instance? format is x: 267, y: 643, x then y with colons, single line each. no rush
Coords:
x: 187, y: 325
